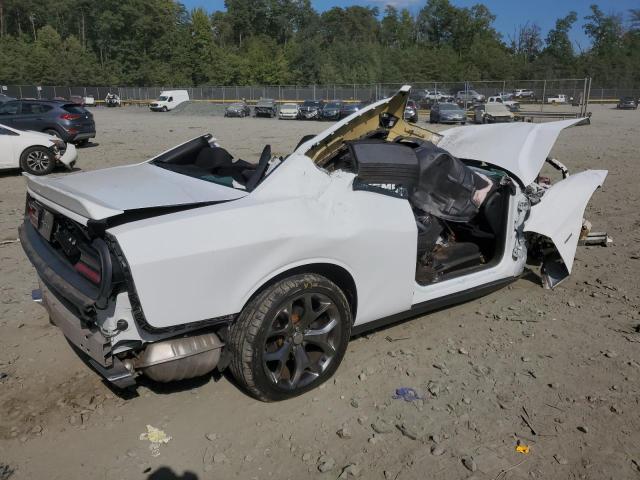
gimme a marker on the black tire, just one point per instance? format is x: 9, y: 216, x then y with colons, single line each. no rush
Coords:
x: 165, y: 109
x: 37, y: 160
x: 52, y: 131
x: 273, y: 336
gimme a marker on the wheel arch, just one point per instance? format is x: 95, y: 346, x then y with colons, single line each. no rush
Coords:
x: 338, y: 274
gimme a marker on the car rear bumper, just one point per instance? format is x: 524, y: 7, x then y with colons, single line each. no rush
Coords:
x: 90, y: 344
x: 83, y: 136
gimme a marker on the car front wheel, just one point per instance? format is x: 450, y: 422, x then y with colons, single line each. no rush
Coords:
x: 37, y: 160
x: 290, y: 338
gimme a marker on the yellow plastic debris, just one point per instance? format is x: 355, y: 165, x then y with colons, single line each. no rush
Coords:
x: 522, y: 448
x: 156, y: 438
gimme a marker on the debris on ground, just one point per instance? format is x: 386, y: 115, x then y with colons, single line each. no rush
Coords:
x: 326, y: 463
x: 469, y: 464
x: 156, y: 438
x: 407, y: 394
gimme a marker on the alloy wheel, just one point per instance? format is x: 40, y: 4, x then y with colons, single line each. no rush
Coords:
x: 38, y: 161
x: 302, y: 340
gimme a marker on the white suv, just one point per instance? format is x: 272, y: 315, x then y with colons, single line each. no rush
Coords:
x: 524, y: 93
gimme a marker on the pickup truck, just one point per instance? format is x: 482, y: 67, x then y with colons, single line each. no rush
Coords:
x: 560, y: 98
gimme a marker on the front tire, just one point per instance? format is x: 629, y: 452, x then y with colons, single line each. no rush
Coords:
x: 290, y: 338
x: 37, y: 160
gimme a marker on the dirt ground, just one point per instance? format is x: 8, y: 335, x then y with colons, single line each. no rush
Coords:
x: 556, y: 370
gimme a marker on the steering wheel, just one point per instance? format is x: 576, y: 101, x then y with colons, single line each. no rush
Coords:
x: 261, y: 169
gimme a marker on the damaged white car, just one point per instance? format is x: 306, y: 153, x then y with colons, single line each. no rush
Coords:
x: 193, y: 261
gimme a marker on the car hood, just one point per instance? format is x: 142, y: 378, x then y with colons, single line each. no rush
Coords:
x: 101, y: 194
x: 321, y: 147
x: 521, y: 148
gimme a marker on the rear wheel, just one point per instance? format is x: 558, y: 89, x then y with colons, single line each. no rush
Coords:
x: 37, y: 160
x: 290, y: 338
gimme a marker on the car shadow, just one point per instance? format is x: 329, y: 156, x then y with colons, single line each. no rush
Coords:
x: 13, y: 172
x: 176, y: 386
x: 88, y: 145
x: 166, y: 473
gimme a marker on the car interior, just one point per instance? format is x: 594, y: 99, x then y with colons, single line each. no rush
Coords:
x: 460, y: 208
x: 200, y: 159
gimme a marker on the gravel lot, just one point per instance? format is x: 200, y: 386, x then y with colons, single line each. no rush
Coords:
x: 557, y: 371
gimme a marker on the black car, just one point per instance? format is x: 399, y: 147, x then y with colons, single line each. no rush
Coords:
x: 447, y: 113
x: 310, y: 109
x: 239, y: 109
x: 331, y: 111
x: 265, y: 107
x: 349, y: 108
x: 69, y: 121
x: 627, y: 103
x: 5, y: 98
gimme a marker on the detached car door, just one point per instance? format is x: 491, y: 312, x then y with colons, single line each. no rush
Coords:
x: 559, y: 216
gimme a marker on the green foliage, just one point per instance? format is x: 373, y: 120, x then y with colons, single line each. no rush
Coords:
x: 158, y: 42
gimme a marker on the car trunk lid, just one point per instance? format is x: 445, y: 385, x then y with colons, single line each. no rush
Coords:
x: 101, y: 194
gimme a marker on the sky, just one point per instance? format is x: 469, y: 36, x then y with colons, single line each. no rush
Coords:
x: 510, y: 14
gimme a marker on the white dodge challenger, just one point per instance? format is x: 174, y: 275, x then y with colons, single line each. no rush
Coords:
x: 194, y: 260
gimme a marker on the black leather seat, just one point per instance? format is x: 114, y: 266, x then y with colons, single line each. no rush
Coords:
x: 217, y: 161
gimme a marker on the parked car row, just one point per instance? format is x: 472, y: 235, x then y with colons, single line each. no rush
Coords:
x: 307, y: 110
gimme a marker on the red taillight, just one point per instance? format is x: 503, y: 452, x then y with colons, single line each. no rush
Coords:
x: 87, y: 272
x: 70, y: 116
x: 33, y: 214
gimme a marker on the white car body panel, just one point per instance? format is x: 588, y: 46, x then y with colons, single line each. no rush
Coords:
x: 520, y: 147
x: 299, y: 216
x: 111, y: 191
x: 559, y: 214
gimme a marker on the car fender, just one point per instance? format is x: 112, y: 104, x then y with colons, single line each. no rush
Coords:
x: 296, y: 266
x: 558, y: 216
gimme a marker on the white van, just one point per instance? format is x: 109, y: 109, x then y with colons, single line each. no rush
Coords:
x: 168, y: 100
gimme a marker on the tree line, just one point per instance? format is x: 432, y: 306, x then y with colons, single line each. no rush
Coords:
x: 160, y: 42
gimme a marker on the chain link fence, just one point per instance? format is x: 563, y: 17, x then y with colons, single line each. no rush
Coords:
x: 542, y: 90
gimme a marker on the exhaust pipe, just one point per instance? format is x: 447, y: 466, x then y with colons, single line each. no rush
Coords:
x: 178, y: 358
